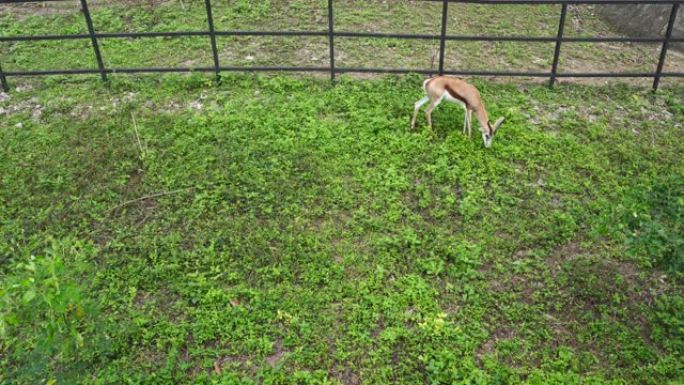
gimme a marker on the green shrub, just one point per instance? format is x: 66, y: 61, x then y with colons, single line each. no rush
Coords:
x: 655, y: 223
x: 668, y: 328
x: 45, y: 318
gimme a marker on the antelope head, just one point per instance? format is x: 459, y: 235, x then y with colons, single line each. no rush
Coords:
x: 490, y: 131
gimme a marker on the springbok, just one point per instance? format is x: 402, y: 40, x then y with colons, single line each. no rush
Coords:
x: 459, y: 91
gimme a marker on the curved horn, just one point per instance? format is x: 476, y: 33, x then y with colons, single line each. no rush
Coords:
x: 498, y: 122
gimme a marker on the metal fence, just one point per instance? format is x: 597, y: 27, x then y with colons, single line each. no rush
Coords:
x: 331, y: 33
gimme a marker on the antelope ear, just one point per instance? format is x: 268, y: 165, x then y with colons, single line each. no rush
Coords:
x: 498, y: 123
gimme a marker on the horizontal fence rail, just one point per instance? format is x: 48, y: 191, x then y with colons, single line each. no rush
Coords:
x: 344, y: 34
x: 666, y: 40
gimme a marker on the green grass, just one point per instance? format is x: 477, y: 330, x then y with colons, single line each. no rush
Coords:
x: 281, y: 230
x: 293, y: 223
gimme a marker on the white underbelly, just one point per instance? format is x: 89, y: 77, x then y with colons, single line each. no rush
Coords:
x: 446, y: 96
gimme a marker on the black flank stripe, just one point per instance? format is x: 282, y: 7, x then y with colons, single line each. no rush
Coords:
x: 456, y: 95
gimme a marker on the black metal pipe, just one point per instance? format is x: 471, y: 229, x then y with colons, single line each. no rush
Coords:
x: 52, y: 72
x: 331, y: 39
x: 446, y: 72
x: 277, y: 69
x: 26, y: 1
x: 384, y: 70
x: 548, y: 39
x: 222, y: 68
x: 616, y: 74
x: 556, y: 52
x: 543, y: 2
x: 347, y: 34
x: 44, y: 37
x: 3, y: 80
x: 418, y: 36
x: 474, y: 1
x: 343, y: 70
x: 442, y: 36
x: 511, y: 73
x: 272, y: 33
x: 93, y: 39
x: 161, y: 34
x: 160, y: 69
x: 212, y: 35
x: 663, y: 50
x: 164, y: 69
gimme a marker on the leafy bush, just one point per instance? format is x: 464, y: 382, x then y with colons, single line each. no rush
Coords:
x: 668, y: 328
x: 45, y: 318
x: 655, y: 223
x: 588, y: 279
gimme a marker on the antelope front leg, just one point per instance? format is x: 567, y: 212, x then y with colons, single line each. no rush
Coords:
x: 428, y: 116
x: 470, y: 123
x: 428, y: 112
x: 465, y: 120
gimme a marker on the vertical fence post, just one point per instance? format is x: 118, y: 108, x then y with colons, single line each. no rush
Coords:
x: 212, y: 34
x: 93, y: 39
x: 442, y: 36
x: 559, y: 39
x: 331, y: 39
x: 3, y: 81
x: 666, y: 43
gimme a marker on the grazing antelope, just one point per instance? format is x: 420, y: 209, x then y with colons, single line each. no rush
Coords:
x: 459, y: 91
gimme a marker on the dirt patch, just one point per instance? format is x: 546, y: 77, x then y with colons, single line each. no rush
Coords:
x: 241, y: 362
x: 522, y: 254
x: 488, y: 347
x: 654, y: 108
x: 278, y: 354
x: 151, y: 357
x: 22, y: 11
x: 593, y: 282
x: 566, y: 252
x: 32, y: 106
x: 421, y: 207
x: 585, y: 284
x: 379, y: 328
x: 345, y: 376
x: 162, y: 300
x: 134, y: 179
x: 673, y: 64
x: 337, y: 254
x: 652, y: 283
x: 51, y: 8
x: 497, y: 285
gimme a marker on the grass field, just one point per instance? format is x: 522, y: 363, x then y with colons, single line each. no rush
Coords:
x: 287, y: 231
x: 281, y: 230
